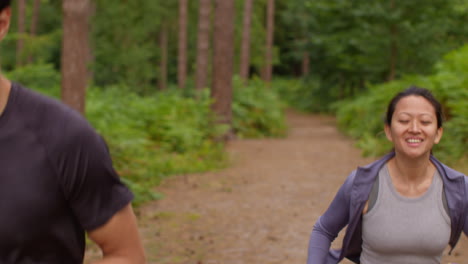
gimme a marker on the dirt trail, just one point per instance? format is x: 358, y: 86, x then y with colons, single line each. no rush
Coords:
x: 261, y: 209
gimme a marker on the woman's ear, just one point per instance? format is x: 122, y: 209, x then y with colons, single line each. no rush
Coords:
x: 388, y: 132
x: 5, y: 16
x: 439, y: 133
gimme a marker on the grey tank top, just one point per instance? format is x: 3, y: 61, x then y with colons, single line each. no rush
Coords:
x: 400, y: 230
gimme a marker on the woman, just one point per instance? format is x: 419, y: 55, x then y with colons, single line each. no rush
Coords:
x: 405, y: 207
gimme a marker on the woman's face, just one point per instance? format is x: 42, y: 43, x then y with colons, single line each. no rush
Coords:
x: 413, y: 129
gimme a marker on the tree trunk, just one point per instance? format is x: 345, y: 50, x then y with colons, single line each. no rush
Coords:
x: 34, y: 24
x: 203, y: 45
x: 75, y: 52
x: 267, y: 72
x: 90, y: 49
x: 182, y: 54
x: 245, y: 46
x: 21, y: 31
x: 393, y: 53
x: 223, y: 61
x: 163, y: 44
x: 393, y: 48
x: 305, y: 64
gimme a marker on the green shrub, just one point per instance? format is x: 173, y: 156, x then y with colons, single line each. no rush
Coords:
x: 155, y: 136
x: 257, y: 110
x: 362, y: 117
x: 303, y: 94
x: 164, y: 133
x: 41, y: 77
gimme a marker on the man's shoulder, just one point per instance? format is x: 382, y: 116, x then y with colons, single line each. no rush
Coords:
x: 32, y: 103
x: 49, y: 118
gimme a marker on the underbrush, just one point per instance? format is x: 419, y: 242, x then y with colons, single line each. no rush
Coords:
x: 362, y: 117
x: 151, y: 137
x: 304, y: 94
x: 257, y: 110
x: 165, y: 133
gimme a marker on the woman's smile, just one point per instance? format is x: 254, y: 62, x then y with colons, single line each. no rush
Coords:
x: 413, y: 130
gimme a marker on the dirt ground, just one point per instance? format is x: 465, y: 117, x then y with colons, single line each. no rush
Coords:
x: 261, y: 209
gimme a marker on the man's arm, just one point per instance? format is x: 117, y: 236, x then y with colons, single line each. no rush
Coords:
x: 119, y: 239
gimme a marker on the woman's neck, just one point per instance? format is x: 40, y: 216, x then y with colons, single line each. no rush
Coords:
x: 5, y: 87
x: 412, y: 170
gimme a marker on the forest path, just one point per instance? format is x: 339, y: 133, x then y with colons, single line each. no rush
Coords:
x: 262, y: 208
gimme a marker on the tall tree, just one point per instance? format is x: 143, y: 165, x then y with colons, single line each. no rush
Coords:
x: 267, y: 72
x: 34, y: 23
x: 182, y: 54
x: 393, y: 46
x: 245, y: 46
x: 75, y: 52
x: 203, y: 43
x: 163, y: 44
x: 305, y: 64
x: 223, y: 53
x: 21, y: 31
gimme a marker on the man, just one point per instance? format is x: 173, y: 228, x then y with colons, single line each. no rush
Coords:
x: 57, y: 183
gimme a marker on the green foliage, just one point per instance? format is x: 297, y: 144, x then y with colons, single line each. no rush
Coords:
x: 362, y: 117
x: 164, y: 133
x: 352, y: 43
x: 257, y: 35
x: 152, y: 137
x: 44, y: 47
x: 257, y: 110
x: 305, y: 94
x: 125, y: 38
x: 41, y: 77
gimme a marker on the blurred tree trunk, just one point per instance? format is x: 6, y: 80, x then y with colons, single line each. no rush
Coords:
x: 75, y: 52
x: 305, y: 64
x: 203, y: 45
x: 245, y: 46
x: 163, y: 44
x: 34, y: 24
x: 21, y: 31
x: 267, y: 72
x: 393, y: 53
x: 90, y: 49
x: 182, y: 54
x: 393, y: 47
x: 223, y: 54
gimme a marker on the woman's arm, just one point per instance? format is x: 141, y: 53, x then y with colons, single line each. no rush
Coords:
x: 328, y: 226
x: 465, y: 227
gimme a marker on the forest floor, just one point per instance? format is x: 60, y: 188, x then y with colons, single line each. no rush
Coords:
x: 262, y: 208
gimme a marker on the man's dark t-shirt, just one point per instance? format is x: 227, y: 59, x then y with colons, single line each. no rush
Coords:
x: 56, y: 181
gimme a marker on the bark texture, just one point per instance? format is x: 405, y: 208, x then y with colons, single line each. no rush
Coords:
x: 163, y: 44
x: 268, y: 70
x: 223, y: 60
x: 393, y: 47
x: 245, y: 46
x: 305, y: 64
x: 182, y: 48
x: 75, y: 52
x: 203, y: 44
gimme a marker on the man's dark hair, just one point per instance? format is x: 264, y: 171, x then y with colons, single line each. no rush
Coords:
x: 417, y: 91
x: 4, y: 4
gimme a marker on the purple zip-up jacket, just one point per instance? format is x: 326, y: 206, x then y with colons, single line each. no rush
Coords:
x: 348, y: 204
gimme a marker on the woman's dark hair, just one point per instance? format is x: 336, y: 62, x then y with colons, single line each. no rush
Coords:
x: 4, y: 4
x: 417, y: 91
